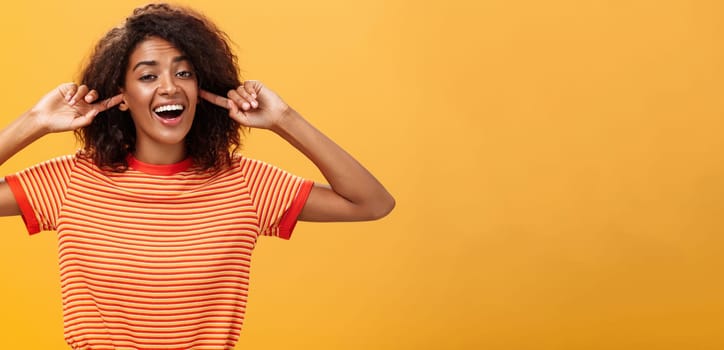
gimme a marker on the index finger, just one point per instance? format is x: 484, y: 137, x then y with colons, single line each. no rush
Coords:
x: 214, y: 98
x: 108, y: 103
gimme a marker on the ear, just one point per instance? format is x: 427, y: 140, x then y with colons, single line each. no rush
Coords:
x: 123, y: 106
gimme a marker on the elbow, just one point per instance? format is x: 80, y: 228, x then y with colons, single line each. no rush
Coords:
x: 382, y: 208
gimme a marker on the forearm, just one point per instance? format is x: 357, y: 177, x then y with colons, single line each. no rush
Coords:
x: 16, y: 136
x: 19, y: 134
x: 360, y: 195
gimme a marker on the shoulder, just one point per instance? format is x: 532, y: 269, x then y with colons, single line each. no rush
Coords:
x: 68, y: 158
x: 66, y: 162
x: 246, y: 164
x: 251, y: 166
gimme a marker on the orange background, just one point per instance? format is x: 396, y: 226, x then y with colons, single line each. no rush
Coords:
x: 557, y: 166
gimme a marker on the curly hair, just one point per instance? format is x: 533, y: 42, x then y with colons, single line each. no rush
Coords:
x: 111, y: 137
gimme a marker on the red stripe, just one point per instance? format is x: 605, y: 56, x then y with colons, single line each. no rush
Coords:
x: 182, y: 304
x: 183, y: 240
x: 202, y: 274
x: 213, y: 316
x: 289, y: 221
x: 81, y: 303
x: 165, y: 259
x: 90, y: 243
x: 100, y: 193
x: 26, y: 210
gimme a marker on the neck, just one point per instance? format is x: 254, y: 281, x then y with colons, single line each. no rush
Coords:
x: 160, y: 154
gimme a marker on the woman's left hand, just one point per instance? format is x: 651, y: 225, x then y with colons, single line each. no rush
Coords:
x: 252, y: 104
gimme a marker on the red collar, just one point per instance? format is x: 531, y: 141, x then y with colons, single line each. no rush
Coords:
x: 158, y: 169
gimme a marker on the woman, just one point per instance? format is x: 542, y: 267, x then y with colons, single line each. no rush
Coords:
x: 157, y: 215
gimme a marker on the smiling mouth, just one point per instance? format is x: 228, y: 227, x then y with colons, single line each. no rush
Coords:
x: 169, y: 111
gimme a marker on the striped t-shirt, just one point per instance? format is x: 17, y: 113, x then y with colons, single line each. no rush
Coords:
x: 156, y: 257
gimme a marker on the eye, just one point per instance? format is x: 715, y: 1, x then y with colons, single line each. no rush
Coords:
x: 147, y: 77
x: 185, y: 74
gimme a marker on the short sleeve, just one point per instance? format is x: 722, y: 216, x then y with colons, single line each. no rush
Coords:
x: 40, y: 191
x: 277, y: 195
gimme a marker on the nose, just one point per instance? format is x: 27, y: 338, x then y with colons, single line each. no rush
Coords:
x: 167, y: 85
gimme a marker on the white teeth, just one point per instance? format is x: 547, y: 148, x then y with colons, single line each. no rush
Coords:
x: 169, y: 108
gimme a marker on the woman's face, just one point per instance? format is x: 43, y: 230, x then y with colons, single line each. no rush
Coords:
x: 161, y: 91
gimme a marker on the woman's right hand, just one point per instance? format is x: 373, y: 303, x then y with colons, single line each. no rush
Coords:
x: 69, y: 107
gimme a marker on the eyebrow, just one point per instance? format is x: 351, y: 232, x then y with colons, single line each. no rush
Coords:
x: 154, y: 63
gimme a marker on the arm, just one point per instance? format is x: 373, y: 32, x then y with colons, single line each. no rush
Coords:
x: 65, y: 108
x: 353, y: 193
